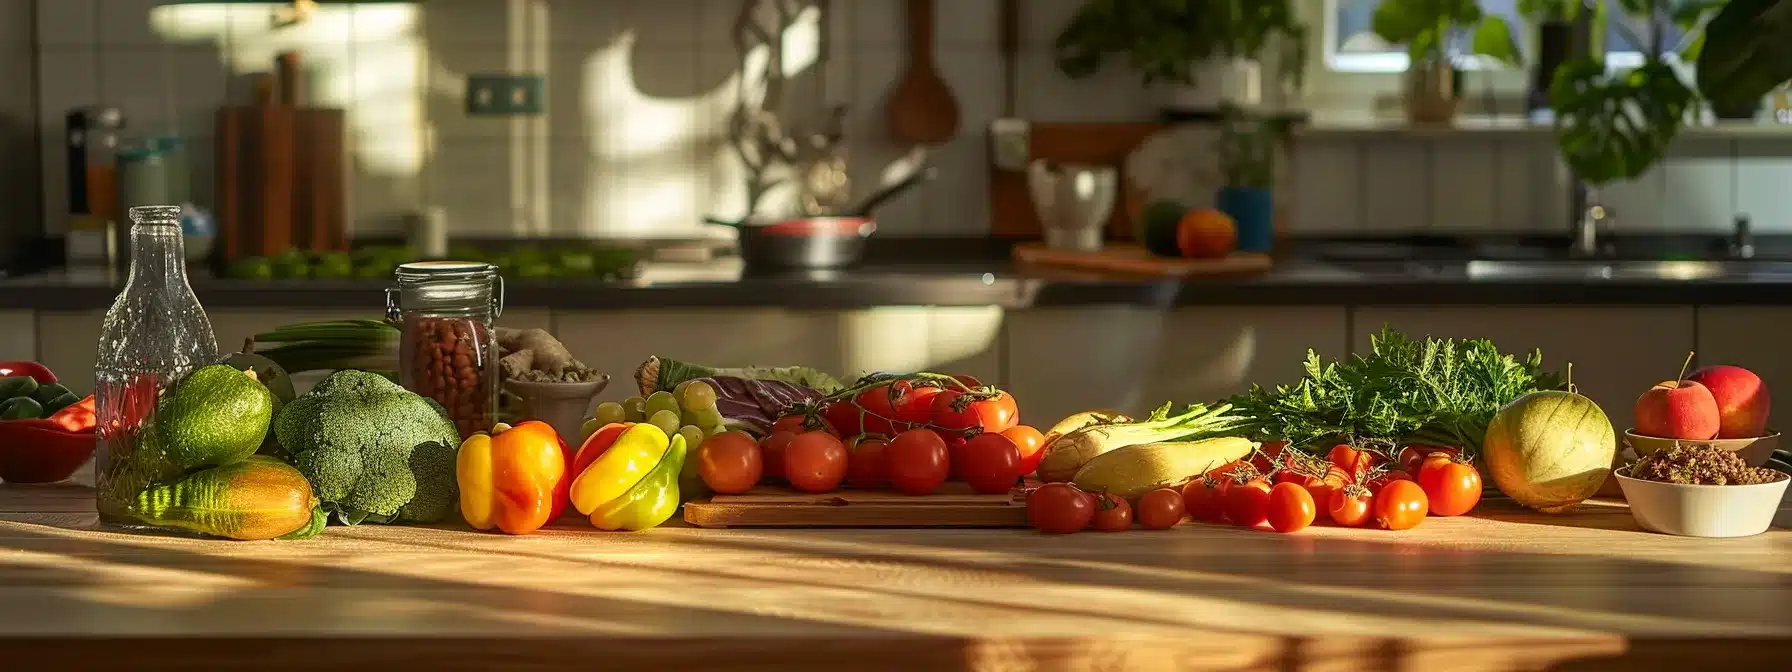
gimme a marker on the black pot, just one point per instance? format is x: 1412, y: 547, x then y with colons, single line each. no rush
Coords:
x: 1734, y: 112
x: 1555, y: 45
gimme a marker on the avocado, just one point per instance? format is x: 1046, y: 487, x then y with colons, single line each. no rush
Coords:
x: 256, y: 498
x: 217, y: 415
x: 1157, y: 227
x: 268, y: 373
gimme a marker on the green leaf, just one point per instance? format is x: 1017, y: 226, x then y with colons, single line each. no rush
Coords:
x: 1493, y: 39
x: 1613, y: 129
x: 1747, y: 52
x: 319, y: 519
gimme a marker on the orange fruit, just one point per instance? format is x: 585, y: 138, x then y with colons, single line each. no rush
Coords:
x: 1206, y: 233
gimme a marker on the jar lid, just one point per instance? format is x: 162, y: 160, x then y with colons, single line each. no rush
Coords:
x: 429, y: 271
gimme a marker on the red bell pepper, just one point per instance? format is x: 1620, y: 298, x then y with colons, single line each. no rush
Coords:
x: 562, y: 492
x: 37, y: 371
x: 42, y: 451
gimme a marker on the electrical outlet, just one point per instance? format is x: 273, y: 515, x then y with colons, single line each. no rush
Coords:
x: 506, y: 95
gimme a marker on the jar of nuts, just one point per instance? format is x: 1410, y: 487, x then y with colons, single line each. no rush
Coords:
x: 445, y: 310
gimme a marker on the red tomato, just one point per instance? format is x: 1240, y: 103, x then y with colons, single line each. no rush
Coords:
x: 1411, y: 457
x: 1349, y: 506
x: 771, y: 452
x: 952, y: 410
x: 1268, y: 455
x: 1321, y: 487
x: 1247, y: 503
x: 1059, y: 508
x: 1112, y: 513
x: 1031, y: 445
x: 843, y: 417
x: 730, y: 463
x: 1204, y: 499
x: 1351, y: 460
x: 1401, y: 505
x: 1290, y: 508
x: 1451, y: 487
x: 914, y: 409
x: 916, y: 462
x: 878, y: 404
x: 815, y: 462
x: 865, y: 463
x: 1386, y: 477
x: 1160, y: 509
x: 789, y: 423
x: 989, y: 463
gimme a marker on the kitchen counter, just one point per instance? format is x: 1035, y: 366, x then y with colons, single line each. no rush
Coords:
x: 1505, y: 590
x: 956, y: 282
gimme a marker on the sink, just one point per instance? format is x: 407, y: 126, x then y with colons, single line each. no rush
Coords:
x: 1596, y: 269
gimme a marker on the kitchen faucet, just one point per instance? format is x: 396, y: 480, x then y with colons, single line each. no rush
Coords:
x: 1593, y: 233
x: 1742, y: 242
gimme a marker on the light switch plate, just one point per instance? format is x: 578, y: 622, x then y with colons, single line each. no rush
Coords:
x: 505, y: 95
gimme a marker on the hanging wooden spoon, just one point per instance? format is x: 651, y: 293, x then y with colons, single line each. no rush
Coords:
x: 922, y: 109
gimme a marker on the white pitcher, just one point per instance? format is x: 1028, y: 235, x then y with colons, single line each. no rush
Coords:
x: 1074, y: 202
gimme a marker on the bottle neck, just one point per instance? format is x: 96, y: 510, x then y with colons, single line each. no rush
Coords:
x: 158, y: 255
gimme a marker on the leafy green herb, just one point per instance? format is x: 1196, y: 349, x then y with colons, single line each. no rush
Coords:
x: 1440, y: 392
x: 1166, y: 39
x: 1425, y: 27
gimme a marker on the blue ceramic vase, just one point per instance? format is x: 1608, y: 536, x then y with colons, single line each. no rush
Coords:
x: 1252, y: 210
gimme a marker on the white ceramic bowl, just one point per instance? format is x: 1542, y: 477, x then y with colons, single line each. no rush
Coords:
x: 1703, y: 510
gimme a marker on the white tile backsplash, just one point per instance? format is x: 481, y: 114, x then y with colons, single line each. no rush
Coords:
x: 639, y: 93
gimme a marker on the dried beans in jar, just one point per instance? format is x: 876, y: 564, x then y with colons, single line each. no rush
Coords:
x: 449, y: 362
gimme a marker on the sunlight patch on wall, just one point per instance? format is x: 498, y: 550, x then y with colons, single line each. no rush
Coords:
x: 365, y: 59
x: 651, y: 140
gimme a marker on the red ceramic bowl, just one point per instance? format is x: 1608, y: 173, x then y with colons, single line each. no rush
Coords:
x: 40, y: 451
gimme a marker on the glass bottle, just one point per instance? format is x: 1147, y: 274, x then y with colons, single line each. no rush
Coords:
x: 154, y: 335
x: 447, y: 352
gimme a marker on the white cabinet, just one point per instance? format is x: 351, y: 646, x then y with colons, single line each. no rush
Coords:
x: 1617, y: 351
x: 1748, y: 336
x: 1061, y: 361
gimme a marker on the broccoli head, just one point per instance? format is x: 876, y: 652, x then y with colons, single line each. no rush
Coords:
x: 372, y: 450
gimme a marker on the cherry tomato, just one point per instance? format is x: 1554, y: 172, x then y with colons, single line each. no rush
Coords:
x: 1204, y: 499
x: 771, y: 452
x: 1322, y: 487
x: 1290, y: 508
x: 1268, y: 455
x: 879, y: 403
x: 1058, y: 508
x: 952, y: 410
x: 1349, y: 506
x: 1160, y: 509
x: 797, y: 424
x: 1031, y: 445
x: 815, y: 461
x: 1247, y: 503
x: 1413, y: 456
x: 1451, y: 487
x: 1387, y: 477
x: 989, y: 463
x: 1352, y: 461
x: 1400, y: 505
x: 916, y: 462
x: 729, y: 463
x: 1112, y: 513
x: 914, y: 409
x: 843, y: 417
x: 865, y: 463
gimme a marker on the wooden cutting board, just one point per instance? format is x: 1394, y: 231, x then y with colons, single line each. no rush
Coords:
x: 1133, y: 259
x: 955, y: 505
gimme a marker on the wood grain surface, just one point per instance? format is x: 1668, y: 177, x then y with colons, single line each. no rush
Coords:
x: 1507, y: 590
x: 1134, y: 260
x: 954, y: 505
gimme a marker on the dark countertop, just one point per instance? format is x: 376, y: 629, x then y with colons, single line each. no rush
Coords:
x: 970, y: 280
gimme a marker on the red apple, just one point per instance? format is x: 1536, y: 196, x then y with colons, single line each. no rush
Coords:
x: 1677, y: 409
x: 1742, y: 400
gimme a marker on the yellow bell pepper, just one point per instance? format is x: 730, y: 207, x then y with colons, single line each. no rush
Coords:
x: 650, y: 502
x: 511, y: 478
x: 614, y: 460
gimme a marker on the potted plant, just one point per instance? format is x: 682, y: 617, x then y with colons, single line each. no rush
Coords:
x: 1561, y: 35
x: 1247, y: 149
x: 1187, y: 48
x: 1427, y: 27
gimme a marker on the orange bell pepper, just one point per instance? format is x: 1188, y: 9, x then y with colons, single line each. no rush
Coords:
x: 511, y: 477
x: 76, y: 417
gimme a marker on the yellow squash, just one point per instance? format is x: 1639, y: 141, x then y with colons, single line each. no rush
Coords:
x: 1132, y: 471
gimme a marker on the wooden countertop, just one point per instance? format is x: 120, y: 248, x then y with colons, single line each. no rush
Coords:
x: 1506, y: 590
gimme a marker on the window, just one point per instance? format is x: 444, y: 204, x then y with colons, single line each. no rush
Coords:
x: 1352, y: 46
